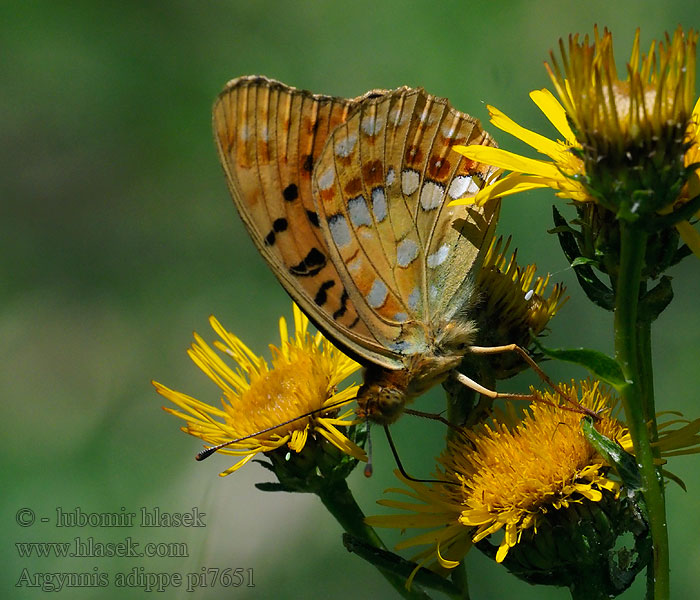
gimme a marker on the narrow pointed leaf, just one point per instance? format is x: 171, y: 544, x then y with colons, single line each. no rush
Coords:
x: 600, y: 365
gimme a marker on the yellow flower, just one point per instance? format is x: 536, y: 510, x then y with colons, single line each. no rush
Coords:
x: 513, y: 306
x: 513, y: 476
x: 515, y: 298
x: 632, y: 144
x: 269, y: 407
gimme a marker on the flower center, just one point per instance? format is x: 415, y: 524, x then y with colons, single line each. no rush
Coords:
x: 291, y: 389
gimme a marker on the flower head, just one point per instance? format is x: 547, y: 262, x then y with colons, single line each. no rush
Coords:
x: 630, y: 145
x: 515, y: 305
x: 518, y: 476
x: 267, y: 407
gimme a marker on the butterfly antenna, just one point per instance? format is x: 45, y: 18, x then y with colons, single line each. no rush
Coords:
x: 369, y: 468
x: 400, y: 465
x: 206, y: 453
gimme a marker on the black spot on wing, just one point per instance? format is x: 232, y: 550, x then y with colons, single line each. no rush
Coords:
x: 321, y: 295
x: 314, y: 261
x: 343, y: 305
x: 278, y: 226
x: 291, y: 192
x: 313, y: 217
x: 308, y: 164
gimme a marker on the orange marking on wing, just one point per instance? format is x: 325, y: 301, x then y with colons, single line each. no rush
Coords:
x: 439, y: 168
x: 373, y: 172
x: 353, y: 187
x: 414, y: 156
x: 328, y: 197
x: 263, y: 153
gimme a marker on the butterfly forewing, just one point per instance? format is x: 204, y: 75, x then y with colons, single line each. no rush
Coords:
x: 381, y: 186
x: 269, y: 136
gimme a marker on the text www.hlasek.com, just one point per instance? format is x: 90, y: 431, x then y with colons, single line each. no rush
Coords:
x: 90, y: 548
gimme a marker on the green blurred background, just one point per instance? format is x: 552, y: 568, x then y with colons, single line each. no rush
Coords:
x: 118, y: 238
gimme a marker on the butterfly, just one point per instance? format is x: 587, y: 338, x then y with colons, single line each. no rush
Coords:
x: 347, y: 201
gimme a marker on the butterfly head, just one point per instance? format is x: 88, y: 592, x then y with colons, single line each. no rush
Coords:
x: 383, y: 395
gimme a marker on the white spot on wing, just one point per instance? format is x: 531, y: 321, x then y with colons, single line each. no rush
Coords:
x: 413, y: 299
x: 344, y: 147
x: 379, y: 204
x: 399, y: 347
x: 263, y: 134
x: 449, y: 131
x: 406, y: 252
x: 354, y: 266
x: 461, y: 186
x: 390, y: 176
x: 372, y: 125
x: 431, y: 195
x: 359, y: 213
x: 439, y: 256
x: 401, y: 317
x: 339, y: 230
x: 325, y: 181
x: 396, y: 117
x: 409, y: 181
x: 244, y: 132
x: 377, y: 295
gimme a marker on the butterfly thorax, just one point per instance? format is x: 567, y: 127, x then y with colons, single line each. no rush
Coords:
x: 385, y: 392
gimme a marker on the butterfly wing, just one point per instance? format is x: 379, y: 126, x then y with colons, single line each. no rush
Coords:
x: 269, y: 136
x: 382, y: 185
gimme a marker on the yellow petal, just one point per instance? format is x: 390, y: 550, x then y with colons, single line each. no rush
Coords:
x: 690, y: 236
x: 509, y: 160
x: 502, y: 551
x: 444, y: 562
x: 537, y: 141
x: 554, y: 111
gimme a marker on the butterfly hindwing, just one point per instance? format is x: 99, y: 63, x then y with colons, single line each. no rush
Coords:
x: 381, y: 187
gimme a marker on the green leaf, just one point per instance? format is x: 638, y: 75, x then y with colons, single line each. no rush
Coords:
x: 582, y: 260
x: 624, y: 463
x: 594, y: 288
x: 269, y: 486
x: 654, y: 302
x: 600, y: 365
x: 383, y: 559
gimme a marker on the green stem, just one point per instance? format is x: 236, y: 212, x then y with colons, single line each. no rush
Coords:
x: 339, y: 501
x: 647, y: 370
x: 634, y: 397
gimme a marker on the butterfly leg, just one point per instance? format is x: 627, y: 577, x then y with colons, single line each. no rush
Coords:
x: 477, y: 387
x: 433, y: 416
x: 519, y: 351
x: 536, y: 368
